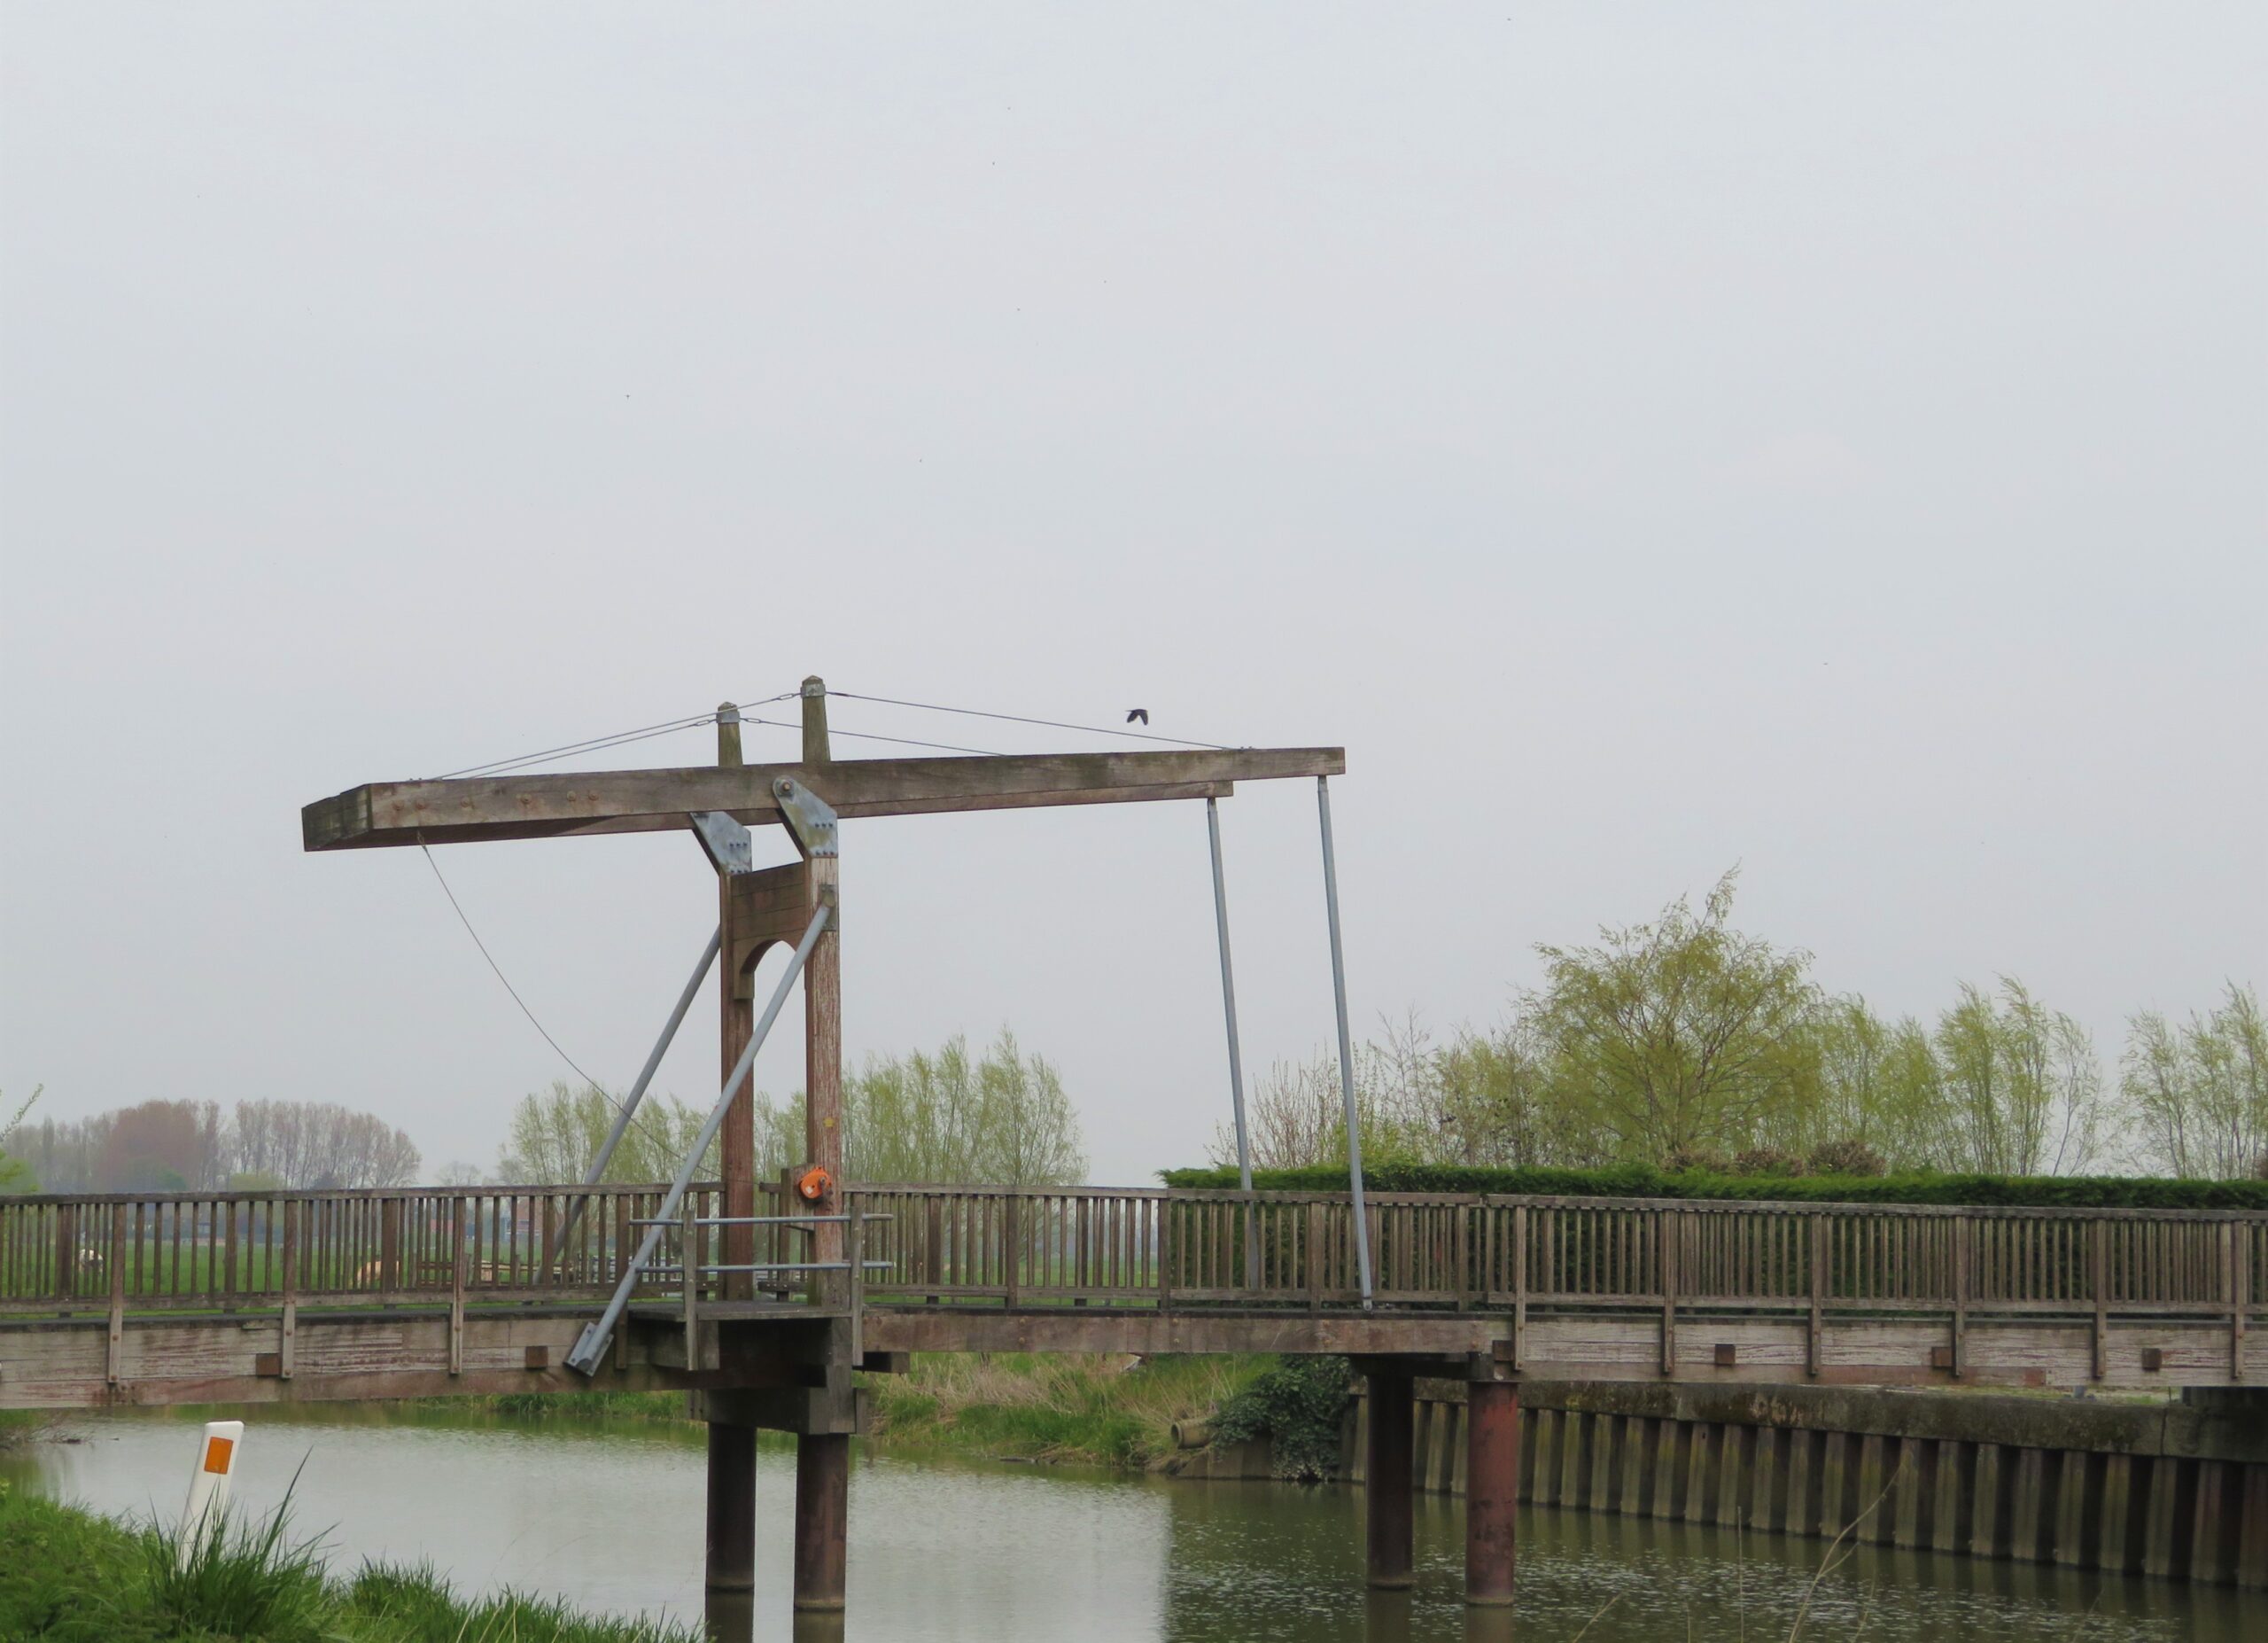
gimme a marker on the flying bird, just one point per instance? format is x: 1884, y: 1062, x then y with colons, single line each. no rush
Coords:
x: 1133, y: 714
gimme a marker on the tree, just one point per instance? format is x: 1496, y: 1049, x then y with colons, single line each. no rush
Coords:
x: 2023, y: 1091
x: 2200, y: 1091
x: 163, y: 1146
x: 1028, y: 1133
x: 1003, y: 1117
x: 1682, y: 1036
x: 554, y: 1135
x: 304, y: 1143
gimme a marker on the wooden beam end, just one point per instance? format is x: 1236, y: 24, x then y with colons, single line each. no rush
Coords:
x: 332, y: 823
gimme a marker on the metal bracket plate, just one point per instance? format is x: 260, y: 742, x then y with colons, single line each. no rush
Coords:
x: 810, y: 818
x: 728, y: 844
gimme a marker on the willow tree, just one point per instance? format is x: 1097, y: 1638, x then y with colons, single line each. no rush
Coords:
x: 2199, y: 1090
x: 1681, y: 1037
x: 2022, y: 1090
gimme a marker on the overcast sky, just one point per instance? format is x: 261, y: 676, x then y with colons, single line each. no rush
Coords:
x: 1649, y: 438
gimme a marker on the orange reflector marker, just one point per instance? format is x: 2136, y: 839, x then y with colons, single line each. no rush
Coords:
x: 217, y: 1451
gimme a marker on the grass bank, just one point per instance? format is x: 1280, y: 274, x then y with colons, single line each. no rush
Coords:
x: 1099, y: 1410
x: 70, y: 1576
x: 1105, y: 1410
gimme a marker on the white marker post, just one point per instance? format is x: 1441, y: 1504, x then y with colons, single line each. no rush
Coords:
x: 208, y: 1485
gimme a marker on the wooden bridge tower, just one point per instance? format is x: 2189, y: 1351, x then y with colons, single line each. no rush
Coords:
x: 760, y: 907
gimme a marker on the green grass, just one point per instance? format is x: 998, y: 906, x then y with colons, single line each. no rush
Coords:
x: 70, y: 1576
x: 1104, y: 1410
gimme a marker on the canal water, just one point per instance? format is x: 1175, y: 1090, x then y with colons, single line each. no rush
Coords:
x: 944, y: 1549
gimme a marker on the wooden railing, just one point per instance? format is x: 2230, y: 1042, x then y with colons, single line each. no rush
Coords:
x: 1134, y: 1247
x: 1155, y: 1247
x: 227, y: 1251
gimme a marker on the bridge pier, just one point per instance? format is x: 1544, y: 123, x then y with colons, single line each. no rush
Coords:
x: 1387, y: 1481
x: 822, y: 1519
x: 1492, y: 1488
x: 731, y: 1564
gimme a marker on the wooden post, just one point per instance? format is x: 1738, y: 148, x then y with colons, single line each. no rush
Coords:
x: 1386, y: 1479
x: 816, y: 751
x: 1492, y: 1488
x: 2233, y: 1261
x: 822, y: 1516
x: 286, y: 1346
x: 1315, y: 1257
x: 227, y: 1208
x: 389, y: 1243
x: 823, y: 1460
x: 689, y: 1278
x: 1166, y: 1253
x: 731, y: 1521
x: 1013, y: 1246
x: 728, y: 735
x: 457, y: 1285
x: 1818, y: 1290
x: 1670, y: 1229
x: 1961, y: 1234
x: 117, y: 1344
x: 1519, y: 1282
x: 823, y: 1006
x: 737, y: 1141
x: 2098, y: 1237
x: 67, y: 1249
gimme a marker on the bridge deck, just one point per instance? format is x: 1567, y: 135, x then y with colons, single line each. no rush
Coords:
x: 203, y: 1298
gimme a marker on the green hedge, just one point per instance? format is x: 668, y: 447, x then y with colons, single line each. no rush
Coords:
x: 1640, y: 1180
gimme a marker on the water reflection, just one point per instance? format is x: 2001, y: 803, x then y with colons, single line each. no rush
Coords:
x: 945, y: 1550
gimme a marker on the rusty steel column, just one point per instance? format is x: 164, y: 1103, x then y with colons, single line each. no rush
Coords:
x: 1387, y: 1481
x: 732, y: 1509
x: 822, y: 1517
x: 1492, y: 1488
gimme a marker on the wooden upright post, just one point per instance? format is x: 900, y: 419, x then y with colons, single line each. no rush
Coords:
x: 737, y: 1154
x: 1387, y: 1481
x: 823, y: 1460
x: 731, y: 1449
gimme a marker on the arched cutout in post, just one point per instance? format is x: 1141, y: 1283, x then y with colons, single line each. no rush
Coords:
x: 1346, y: 1043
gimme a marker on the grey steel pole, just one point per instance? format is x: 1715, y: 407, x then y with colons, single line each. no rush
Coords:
x: 1346, y: 1040
x: 1228, y: 996
x: 592, y: 1345
x: 1236, y: 1053
x: 629, y: 1103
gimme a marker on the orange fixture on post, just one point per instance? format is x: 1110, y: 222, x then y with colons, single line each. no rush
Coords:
x: 814, y: 1184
